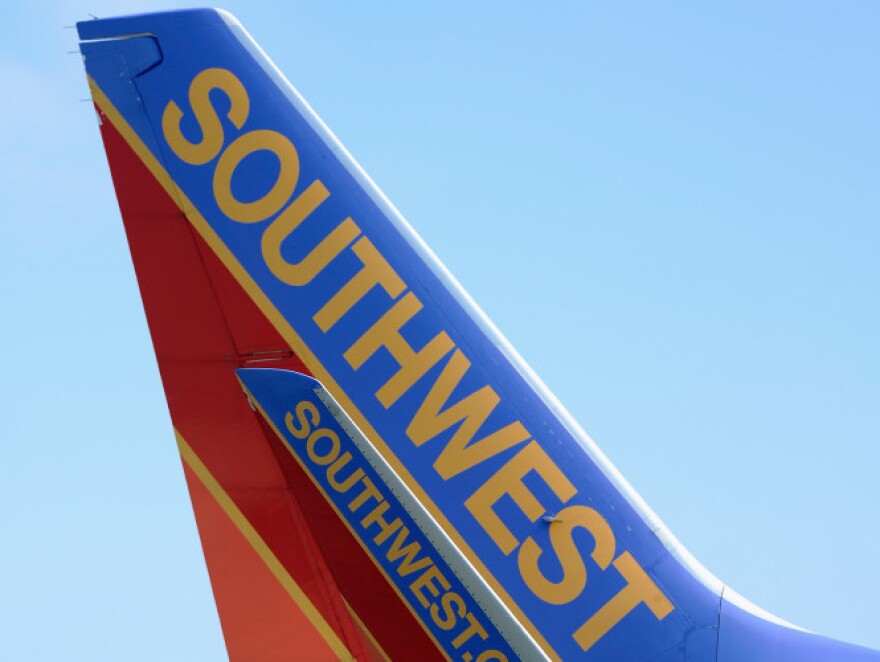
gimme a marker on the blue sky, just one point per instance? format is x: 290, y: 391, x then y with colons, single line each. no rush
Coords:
x: 672, y: 211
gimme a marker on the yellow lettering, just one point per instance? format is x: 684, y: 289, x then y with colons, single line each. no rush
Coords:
x: 312, y: 446
x: 461, y: 452
x: 369, y: 492
x: 452, y: 604
x: 508, y: 481
x: 281, y: 228
x: 303, y: 409
x: 408, y: 565
x: 386, y: 333
x: 473, y: 628
x: 199, y: 153
x: 333, y: 473
x: 281, y: 190
x: 574, y: 572
x: 639, y: 589
x: 376, y: 271
x: 385, y: 528
x: 426, y: 580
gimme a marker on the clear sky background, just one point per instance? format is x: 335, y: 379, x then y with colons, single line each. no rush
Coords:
x: 671, y: 209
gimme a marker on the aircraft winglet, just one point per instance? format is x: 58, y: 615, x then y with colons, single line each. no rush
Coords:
x: 441, y: 589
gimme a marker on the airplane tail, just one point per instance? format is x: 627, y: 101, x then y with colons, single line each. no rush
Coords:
x: 375, y: 473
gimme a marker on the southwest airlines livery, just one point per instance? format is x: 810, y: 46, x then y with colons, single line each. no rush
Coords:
x: 375, y: 473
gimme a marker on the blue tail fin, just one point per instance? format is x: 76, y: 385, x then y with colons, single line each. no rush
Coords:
x: 556, y: 535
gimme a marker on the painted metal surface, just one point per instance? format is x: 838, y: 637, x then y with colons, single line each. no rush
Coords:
x: 286, y: 575
x: 385, y: 520
x: 351, y: 291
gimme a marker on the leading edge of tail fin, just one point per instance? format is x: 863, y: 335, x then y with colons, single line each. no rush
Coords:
x: 556, y: 534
